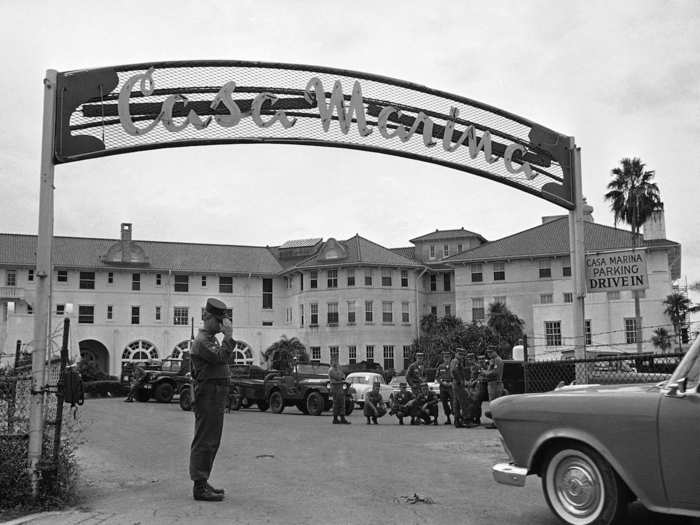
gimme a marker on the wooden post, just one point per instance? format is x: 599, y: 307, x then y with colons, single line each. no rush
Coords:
x: 43, y: 278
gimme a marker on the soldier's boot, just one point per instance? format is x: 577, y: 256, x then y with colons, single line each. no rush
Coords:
x: 448, y: 421
x: 335, y: 420
x: 368, y: 422
x: 128, y: 400
x: 435, y: 420
x: 400, y: 421
x: 374, y: 420
x: 344, y: 421
x: 215, y: 490
x: 202, y: 492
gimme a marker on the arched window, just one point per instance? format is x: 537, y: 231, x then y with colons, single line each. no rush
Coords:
x: 182, y: 346
x: 139, y: 350
x: 243, y: 354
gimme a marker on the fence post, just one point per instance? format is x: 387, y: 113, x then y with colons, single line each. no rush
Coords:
x: 526, y: 378
x: 60, y: 395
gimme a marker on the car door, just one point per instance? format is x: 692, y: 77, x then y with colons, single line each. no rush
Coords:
x: 679, y: 441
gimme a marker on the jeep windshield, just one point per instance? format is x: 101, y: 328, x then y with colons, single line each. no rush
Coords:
x: 312, y: 369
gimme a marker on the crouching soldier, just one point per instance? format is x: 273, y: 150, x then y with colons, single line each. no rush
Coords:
x: 425, y: 407
x: 138, y: 376
x: 403, y: 402
x: 374, y: 404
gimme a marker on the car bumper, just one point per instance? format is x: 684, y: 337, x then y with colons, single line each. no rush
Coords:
x: 509, y: 474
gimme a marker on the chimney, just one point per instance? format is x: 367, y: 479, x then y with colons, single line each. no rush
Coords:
x: 126, y: 242
x: 587, y: 211
x: 655, y: 225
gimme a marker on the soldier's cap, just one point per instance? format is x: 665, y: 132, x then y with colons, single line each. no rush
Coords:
x: 461, y: 351
x: 424, y: 385
x: 419, y: 354
x: 491, y: 348
x: 446, y: 352
x: 471, y: 354
x: 403, y: 384
x: 216, y: 308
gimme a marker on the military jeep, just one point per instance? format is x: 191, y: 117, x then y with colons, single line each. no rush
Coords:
x: 304, y: 386
x: 164, y: 381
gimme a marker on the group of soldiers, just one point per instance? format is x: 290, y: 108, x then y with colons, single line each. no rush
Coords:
x: 464, y: 381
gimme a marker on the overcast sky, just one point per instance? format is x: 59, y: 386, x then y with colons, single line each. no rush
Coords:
x: 622, y: 77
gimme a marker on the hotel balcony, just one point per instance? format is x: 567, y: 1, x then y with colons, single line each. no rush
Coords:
x: 11, y: 293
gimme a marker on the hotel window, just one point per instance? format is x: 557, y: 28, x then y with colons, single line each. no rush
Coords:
x: 404, y: 278
x: 478, y: 313
x: 332, y: 314
x: 566, y: 267
x: 614, y: 295
x: 368, y: 277
x: 62, y: 276
x: 477, y: 273
x: 404, y: 313
x: 552, y: 333
x: 135, y: 281
x: 87, y: 281
x: 135, y: 314
x: 288, y: 315
x: 11, y: 278
x: 386, y: 277
x: 545, y: 268
x: 568, y: 297
x: 332, y: 278
x: 60, y: 309
x: 267, y: 323
x: 204, y: 281
x: 157, y: 313
x: 351, y: 277
x: 433, y: 282
x: 632, y: 332
x: 225, y: 284
x: 406, y: 354
x: 432, y: 252
x: 181, y: 315
x: 446, y: 282
x: 499, y: 271
x: 335, y: 353
x: 314, y: 314
x: 587, y: 332
x: 445, y: 251
x: 315, y: 353
x: 267, y: 294
x: 86, y: 314
x: 313, y: 279
x: 388, y: 357
x: 182, y: 283
x: 500, y: 299
x: 448, y: 310
x: 30, y: 309
x: 351, y: 312
x: 459, y: 248
x: 369, y: 352
x: 352, y: 354
x: 387, y: 312
x: 159, y: 279
x: 30, y: 275
x: 110, y: 277
x: 368, y: 312
x: 301, y: 282
x: 546, y: 298
x: 110, y: 312
x: 301, y: 315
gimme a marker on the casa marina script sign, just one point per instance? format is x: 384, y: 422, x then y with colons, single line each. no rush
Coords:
x: 616, y: 271
x: 328, y: 109
x: 122, y: 109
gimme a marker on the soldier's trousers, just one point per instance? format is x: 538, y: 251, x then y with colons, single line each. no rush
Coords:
x: 446, y: 399
x: 338, y: 402
x: 461, y: 404
x: 209, y: 404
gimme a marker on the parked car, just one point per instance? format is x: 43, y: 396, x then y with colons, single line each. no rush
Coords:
x: 598, y: 447
x: 362, y: 382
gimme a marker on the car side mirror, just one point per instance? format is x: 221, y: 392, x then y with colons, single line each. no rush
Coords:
x: 678, y: 388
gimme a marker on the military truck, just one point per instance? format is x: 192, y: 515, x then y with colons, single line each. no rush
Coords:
x: 162, y: 382
x: 248, y: 387
x: 305, y: 386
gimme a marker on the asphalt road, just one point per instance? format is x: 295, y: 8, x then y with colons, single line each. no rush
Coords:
x: 291, y: 468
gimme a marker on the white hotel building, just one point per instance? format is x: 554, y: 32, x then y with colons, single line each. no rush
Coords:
x: 135, y: 299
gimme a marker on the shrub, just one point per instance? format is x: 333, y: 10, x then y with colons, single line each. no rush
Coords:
x: 89, y: 371
x: 105, y: 388
x: 54, y: 491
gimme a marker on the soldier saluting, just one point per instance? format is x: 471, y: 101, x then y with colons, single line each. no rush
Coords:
x: 210, y: 375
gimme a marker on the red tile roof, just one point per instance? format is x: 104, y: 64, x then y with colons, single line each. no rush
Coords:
x: 447, y: 235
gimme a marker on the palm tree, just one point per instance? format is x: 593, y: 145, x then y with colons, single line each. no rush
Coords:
x: 281, y: 353
x: 507, y: 326
x: 677, y: 308
x: 661, y: 339
x: 633, y: 198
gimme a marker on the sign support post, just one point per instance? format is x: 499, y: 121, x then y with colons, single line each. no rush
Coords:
x: 43, y: 277
x: 578, y: 263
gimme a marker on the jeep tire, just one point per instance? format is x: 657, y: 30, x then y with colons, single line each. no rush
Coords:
x: 263, y: 405
x: 186, y: 398
x: 314, y: 404
x: 276, y: 402
x: 142, y: 395
x: 163, y: 392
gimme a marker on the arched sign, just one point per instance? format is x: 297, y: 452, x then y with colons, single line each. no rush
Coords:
x: 145, y: 106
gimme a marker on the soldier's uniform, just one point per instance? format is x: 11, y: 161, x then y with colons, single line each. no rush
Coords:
x: 425, y: 406
x: 443, y: 377
x: 210, y: 378
x: 375, y: 398
x: 138, y: 374
x: 337, y: 380
x: 461, y: 399
x: 403, y: 401
x: 494, y: 375
x: 414, y: 374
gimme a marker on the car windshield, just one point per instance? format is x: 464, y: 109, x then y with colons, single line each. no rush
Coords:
x: 396, y: 380
x: 689, y: 367
x: 359, y: 380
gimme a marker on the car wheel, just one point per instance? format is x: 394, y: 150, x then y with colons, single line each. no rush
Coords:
x: 301, y: 405
x: 164, y: 393
x: 314, y: 404
x: 186, y: 399
x: 246, y: 403
x: 276, y: 402
x: 263, y: 405
x: 581, y: 488
x: 142, y: 395
x: 349, y: 406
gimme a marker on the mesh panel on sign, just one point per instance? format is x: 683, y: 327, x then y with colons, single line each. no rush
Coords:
x: 181, y: 96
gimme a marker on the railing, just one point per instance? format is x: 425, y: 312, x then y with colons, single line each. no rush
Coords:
x: 11, y: 292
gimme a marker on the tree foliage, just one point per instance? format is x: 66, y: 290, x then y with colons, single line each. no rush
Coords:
x: 281, y: 354
x: 661, y: 339
x: 505, y: 325
x: 677, y: 308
